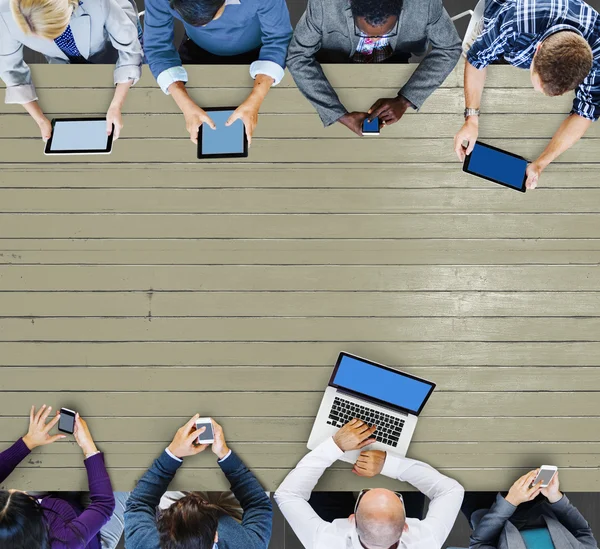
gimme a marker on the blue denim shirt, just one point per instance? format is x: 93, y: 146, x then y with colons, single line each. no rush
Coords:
x: 245, y: 25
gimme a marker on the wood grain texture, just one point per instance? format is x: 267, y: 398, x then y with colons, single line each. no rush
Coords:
x: 144, y: 286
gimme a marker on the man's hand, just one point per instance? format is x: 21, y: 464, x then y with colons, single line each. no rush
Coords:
x: 114, y: 119
x: 45, y: 128
x: 467, y: 134
x: 83, y: 437
x: 194, y: 118
x: 370, y: 463
x: 522, y: 490
x: 552, y: 491
x: 185, y: 442
x: 354, y: 121
x: 247, y: 112
x: 354, y: 435
x: 389, y: 109
x: 219, y: 446
x: 37, y: 435
x: 533, y: 172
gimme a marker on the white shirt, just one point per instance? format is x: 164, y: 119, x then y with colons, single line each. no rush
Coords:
x: 446, y: 497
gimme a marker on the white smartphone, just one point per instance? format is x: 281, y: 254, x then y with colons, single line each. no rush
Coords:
x: 208, y: 437
x: 546, y: 475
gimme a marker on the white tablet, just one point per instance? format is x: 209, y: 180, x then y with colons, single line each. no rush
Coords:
x: 79, y: 136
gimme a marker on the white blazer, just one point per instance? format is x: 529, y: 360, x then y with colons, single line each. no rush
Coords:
x: 96, y: 24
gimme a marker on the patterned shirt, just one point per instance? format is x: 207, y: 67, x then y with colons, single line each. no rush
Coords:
x: 66, y: 43
x: 373, y: 51
x: 513, y: 29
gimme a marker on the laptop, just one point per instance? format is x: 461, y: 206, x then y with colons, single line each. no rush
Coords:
x: 376, y: 394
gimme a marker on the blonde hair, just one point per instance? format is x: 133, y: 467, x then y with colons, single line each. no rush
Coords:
x: 43, y: 18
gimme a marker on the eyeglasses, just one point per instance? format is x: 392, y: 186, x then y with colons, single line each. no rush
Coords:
x: 363, y: 492
x: 361, y: 34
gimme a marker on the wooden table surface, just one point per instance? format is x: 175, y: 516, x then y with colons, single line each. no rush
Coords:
x: 144, y: 286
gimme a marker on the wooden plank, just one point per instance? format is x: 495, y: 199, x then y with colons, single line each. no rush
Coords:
x: 188, y: 478
x: 309, y: 176
x: 92, y: 101
x: 298, y: 304
x: 294, y: 201
x: 269, y: 429
x: 298, y: 252
x: 346, y: 329
x: 286, y: 455
x: 301, y: 226
x: 312, y: 278
x: 296, y: 150
x: 100, y: 76
x: 474, y: 403
x: 217, y: 378
x: 492, y: 126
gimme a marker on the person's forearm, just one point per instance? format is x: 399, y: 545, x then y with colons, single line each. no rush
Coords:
x: 570, y: 131
x: 474, y: 83
x: 180, y: 95
x: 34, y: 109
x: 262, y: 85
x: 120, y: 94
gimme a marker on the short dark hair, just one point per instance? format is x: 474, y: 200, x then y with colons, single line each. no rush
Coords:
x: 22, y: 522
x: 197, y: 12
x: 562, y: 62
x: 376, y: 12
x: 190, y: 523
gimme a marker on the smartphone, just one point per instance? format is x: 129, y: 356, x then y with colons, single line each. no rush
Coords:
x: 371, y: 128
x: 208, y: 437
x: 66, y: 423
x: 546, y: 475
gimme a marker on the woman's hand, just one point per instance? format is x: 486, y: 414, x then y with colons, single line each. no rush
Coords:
x: 114, y: 119
x: 83, y: 436
x: 45, y: 128
x: 523, y: 489
x: 38, y: 434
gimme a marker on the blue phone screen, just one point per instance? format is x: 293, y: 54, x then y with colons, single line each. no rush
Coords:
x: 371, y: 127
x: 497, y: 165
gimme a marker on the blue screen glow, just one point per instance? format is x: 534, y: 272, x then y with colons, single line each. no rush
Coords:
x: 497, y: 165
x: 225, y: 139
x: 392, y: 387
x: 372, y: 126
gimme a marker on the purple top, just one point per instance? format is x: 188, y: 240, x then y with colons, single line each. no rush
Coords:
x: 70, y: 527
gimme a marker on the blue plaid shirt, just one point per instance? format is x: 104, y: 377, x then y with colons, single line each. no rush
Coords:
x: 513, y: 29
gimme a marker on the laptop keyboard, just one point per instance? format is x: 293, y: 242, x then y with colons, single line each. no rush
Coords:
x: 388, y: 427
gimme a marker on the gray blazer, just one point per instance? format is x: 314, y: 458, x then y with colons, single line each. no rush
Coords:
x: 329, y: 25
x: 95, y: 25
x: 568, y: 528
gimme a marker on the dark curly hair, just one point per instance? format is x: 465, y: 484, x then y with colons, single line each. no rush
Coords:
x: 376, y: 12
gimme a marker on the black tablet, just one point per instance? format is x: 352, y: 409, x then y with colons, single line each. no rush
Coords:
x: 497, y: 165
x: 79, y: 136
x: 224, y: 141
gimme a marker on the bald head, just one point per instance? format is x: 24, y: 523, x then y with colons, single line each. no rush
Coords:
x: 380, y: 519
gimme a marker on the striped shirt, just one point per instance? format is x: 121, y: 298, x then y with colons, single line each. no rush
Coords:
x: 514, y: 28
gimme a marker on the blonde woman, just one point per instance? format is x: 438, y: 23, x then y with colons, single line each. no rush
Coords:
x: 69, y: 31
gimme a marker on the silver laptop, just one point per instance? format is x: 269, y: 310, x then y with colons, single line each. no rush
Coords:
x: 376, y: 394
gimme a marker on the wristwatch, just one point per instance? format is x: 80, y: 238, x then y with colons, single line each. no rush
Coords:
x: 471, y: 112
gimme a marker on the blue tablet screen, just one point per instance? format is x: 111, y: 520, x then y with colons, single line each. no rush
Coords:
x: 497, y: 165
x: 225, y: 139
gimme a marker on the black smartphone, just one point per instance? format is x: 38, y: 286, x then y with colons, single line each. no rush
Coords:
x: 372, y: 127
x: 66, y: 423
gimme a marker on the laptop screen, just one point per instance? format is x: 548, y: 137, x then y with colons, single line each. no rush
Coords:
x: 384, y: 384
